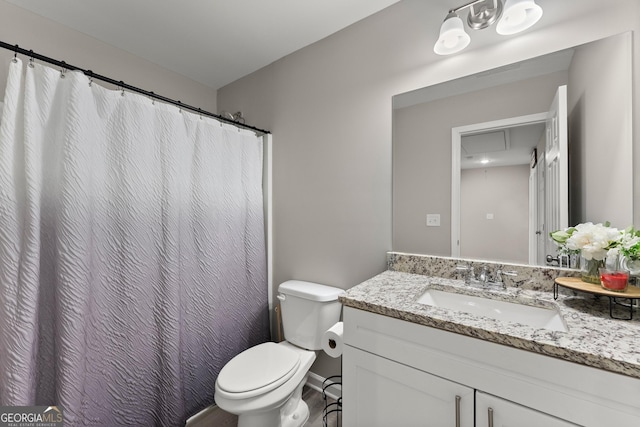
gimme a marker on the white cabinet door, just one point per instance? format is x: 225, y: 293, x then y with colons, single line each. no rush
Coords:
x: 492, y: 411
x: 380, y: 392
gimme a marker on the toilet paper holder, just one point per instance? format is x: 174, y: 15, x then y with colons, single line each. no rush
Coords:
x: 332, y: 340
x: 335, y: 406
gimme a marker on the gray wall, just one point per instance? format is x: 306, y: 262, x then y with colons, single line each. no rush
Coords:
x: 599, y: 104
x: 49, y: 38
x: 422, y: 155
x: 503, y: 192
x: 329, y: 107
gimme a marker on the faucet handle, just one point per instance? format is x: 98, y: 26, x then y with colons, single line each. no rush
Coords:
x: 471, y: 274
x: 484, y: 274
x: 499, y: 274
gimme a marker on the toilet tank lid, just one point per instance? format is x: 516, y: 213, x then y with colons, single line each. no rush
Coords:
x: 310, y: 291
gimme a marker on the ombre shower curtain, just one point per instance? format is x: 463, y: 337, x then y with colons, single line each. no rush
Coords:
x: 132, y: 254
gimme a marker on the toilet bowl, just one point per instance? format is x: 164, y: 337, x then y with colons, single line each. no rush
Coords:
x: 263, y: 385
x: 266, y: 401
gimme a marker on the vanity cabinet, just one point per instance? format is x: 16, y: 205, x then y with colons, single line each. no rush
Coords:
x: 392, y: 394
x: 401, y: 373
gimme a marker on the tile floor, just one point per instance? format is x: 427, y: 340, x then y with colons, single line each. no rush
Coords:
x: 219, y: 418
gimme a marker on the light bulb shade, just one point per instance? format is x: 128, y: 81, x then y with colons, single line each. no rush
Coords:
x: 517, y: 16
x: 452, y: 36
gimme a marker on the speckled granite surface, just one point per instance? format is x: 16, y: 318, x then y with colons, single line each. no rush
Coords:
x: 528, y: 277
x: 592, y: 339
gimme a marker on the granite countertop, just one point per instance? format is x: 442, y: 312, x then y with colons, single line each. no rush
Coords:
x: 593, y: 338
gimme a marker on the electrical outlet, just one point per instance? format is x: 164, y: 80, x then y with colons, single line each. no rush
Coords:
x: 433, y: 220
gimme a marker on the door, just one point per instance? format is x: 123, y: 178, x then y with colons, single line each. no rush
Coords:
x: 540, y: 212
x: 378, y: 392
x: 533, y: 224
x: 492, y: 411
x: 556, y: 170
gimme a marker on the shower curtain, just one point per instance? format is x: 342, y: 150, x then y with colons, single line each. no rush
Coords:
x: 132, y: 254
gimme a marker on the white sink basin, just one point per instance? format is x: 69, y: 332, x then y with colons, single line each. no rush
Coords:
x: 536, y: 317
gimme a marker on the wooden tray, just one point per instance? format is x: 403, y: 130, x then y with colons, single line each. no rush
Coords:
x: 576, y: 283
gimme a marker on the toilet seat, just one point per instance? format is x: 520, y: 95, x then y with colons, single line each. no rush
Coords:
x: 258, y: 370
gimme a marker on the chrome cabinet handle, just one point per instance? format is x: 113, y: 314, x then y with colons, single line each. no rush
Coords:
x: 458, y: 398
x: 490, y: 413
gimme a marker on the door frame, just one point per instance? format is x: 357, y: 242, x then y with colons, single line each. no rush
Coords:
x: 556, y: 169
x: 456, y: 148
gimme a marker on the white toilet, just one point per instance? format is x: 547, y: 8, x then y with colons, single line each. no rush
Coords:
x: 263, y: 385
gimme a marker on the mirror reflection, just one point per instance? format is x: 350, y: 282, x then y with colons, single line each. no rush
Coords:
x: 494, y: 190
x: 447, y: 203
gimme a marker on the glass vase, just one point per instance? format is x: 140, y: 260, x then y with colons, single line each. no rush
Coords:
x: 590, y: 270
x: 633, y: 267
x: 614, y: 276
x: 614, y: 280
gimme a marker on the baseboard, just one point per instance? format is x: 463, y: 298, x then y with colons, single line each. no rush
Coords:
x: 194, y: 420
x: 315, y: 382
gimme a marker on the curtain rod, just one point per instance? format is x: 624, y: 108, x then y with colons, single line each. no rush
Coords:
x: 120, y: 84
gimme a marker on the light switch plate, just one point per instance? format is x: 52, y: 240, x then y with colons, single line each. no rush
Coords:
x: 489, y: 216
x: 433, y: 220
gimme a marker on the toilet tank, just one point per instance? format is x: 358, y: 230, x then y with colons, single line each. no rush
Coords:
x: 308, y: 310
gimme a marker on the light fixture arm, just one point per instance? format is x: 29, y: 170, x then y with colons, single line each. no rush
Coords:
x: 459, y: 8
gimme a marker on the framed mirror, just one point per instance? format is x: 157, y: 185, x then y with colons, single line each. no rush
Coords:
x: 598, y: 78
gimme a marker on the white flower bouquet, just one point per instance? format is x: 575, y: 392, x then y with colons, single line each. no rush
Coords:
x: 593, y: 242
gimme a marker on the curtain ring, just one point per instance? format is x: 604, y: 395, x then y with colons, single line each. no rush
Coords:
x: 121, y: 87
x: 31, y: 59
x: 151, y: 97
x: 89, y: 73
x: 200, y: 112
x: 15, y: 55
x: 179, y: 107
x: 63, y: 70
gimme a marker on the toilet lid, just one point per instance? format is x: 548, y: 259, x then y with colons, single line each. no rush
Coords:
x: 264, y: 366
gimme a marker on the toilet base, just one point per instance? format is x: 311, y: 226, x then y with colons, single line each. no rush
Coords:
x: 294, y: 413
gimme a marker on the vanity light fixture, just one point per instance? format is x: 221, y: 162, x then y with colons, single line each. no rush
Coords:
x: 452, y: 36
x: 512, y: 17
x: 518, y: 15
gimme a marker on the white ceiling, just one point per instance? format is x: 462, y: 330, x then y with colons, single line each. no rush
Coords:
x: 506, y: 147
x: 214, y: 42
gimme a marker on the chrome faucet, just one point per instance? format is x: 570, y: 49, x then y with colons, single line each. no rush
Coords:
x: 470, y: 277
x: 498, y: 281
x: 484, y: 275
x: 483, y: 279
